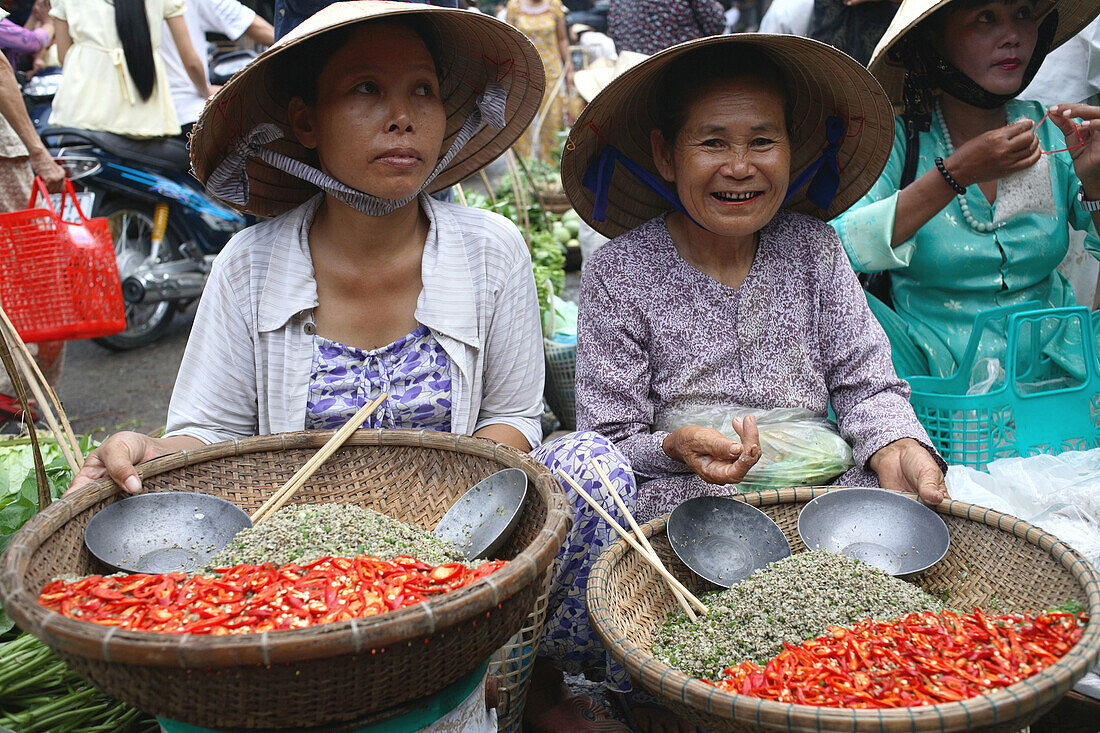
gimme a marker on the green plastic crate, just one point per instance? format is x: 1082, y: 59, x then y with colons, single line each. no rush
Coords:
x: 1022, y: 416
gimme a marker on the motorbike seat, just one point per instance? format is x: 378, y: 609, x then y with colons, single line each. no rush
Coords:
x: 162, y: 153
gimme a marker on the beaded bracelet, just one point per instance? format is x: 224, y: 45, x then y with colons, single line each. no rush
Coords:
x: 961, y: 190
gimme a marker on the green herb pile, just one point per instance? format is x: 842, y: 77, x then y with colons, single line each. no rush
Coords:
x: 39, y: 693
x: 793, y: 600
x: 307, y: 532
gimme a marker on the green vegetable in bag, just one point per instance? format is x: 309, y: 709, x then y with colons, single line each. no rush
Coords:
x: 797, y: 447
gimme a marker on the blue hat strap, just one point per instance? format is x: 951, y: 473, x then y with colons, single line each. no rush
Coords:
x: 823, y: 175
x: 597, y: 179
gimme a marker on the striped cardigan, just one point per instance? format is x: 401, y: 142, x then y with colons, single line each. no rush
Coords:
x: 247, y: 365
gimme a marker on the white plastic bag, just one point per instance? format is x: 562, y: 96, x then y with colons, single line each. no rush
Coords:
x: 797, y: 447
x: 1059, y: 493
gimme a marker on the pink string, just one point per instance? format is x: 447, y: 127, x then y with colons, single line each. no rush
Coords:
x: 1076, y: 131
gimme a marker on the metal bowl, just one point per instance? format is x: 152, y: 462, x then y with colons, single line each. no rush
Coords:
x: 484, y: 517
x: 172, y: 531
x: 888, y: 530
x: 724, y: 540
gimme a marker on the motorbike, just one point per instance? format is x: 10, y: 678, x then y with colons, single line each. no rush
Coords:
x: 166, y: 228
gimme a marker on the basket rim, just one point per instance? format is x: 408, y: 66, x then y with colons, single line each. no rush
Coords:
x: 111, y: 644
x: 1023, y: 696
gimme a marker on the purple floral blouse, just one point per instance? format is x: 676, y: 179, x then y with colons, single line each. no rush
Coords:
x: 655, y: 335
x: 413, y: 371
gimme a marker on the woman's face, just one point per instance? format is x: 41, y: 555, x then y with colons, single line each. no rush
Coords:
x: 378, y: 124
x: 731, y: 162
x: 991, y: 43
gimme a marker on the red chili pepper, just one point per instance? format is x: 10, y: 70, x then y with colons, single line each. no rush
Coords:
x: 248, y: 598
x: 921, y: 659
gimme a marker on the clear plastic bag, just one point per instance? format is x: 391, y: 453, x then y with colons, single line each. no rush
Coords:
x: 1059, y: 493
x: 797, y: 447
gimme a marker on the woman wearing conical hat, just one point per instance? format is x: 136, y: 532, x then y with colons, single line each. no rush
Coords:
x: 972, y: 208
x: 715, y: 165
x: 361, y: 284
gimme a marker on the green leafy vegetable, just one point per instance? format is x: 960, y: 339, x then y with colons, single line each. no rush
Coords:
x: 19, y: 486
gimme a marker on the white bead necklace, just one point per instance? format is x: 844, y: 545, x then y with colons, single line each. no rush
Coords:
x: 976, y: 225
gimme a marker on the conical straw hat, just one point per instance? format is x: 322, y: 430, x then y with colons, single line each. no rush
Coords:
x: 823, y: 82
x: 1073, y: 15
x: 475, y: 49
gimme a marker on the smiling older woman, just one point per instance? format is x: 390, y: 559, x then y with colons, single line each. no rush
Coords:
x: 732, y: 298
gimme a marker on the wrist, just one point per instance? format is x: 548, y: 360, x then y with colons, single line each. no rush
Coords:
x: 668, y: 446
x: 39, y: 155
x: 956, y: 166
x: 951, y: 174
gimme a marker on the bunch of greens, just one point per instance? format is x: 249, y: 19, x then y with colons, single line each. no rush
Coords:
x: 38, y: 692
x: 549, y: 234
x: 19, y: 486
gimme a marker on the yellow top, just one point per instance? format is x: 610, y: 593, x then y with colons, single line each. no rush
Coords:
x: 97, y: 92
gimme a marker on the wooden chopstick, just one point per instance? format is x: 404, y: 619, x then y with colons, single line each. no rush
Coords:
x: 283, y: 495
x: 642, y: 540
x: 634, y: 544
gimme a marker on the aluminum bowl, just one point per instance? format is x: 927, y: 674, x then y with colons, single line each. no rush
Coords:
x: 882, y: 528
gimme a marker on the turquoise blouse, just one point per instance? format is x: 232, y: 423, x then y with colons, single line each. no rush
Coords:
x: 948, y: 272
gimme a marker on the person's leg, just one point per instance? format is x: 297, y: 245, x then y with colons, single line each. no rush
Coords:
x: 568, y: 642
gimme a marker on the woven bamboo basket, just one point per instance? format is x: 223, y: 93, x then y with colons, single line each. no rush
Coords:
x: 995, y: 561
x: 551, y: 197
x: 320, y: 675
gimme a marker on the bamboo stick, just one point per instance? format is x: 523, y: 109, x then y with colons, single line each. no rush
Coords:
x: 62, y: 441
x: 283, y: 495
x: 488, y: 186
x: 642, y: 540
x: 61, y: 416
x: 634, y: 544
x: 44, y: 498
x: 25, y: 364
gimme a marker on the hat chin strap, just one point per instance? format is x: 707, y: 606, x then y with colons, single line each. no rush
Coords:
x: 229, y: 181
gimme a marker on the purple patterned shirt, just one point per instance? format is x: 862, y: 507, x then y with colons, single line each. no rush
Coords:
x: 655, y: 334
x: 413, y: 371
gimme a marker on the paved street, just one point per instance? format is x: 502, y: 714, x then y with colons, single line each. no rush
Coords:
x: 104, y: 391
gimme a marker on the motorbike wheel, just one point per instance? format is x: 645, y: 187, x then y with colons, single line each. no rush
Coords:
x: 132, y: 231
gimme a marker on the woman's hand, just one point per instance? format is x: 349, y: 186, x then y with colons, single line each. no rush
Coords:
x: 1083, y: 142
x: 712, y: 456
x: 117, y: 456
x: 994, y: 154
x: 46, y: 168
x: 907, y: 465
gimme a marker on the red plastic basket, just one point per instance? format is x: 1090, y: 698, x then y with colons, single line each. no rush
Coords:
x: 58, y: 279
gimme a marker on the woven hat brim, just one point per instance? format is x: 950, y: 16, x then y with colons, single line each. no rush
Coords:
x: 822, y: 81
x: 1073, y: 16
x: 475, y: 49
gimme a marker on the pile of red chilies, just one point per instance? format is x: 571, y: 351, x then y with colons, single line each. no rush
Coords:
x: 247, y: 599
x: 921, y: 659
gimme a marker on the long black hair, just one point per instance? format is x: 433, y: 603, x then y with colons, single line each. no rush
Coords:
x: 132, y: 26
